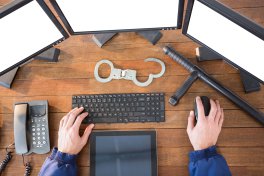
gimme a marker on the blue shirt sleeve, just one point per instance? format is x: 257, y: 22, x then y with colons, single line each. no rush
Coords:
x: 208, y: 162
x: 58, y: 164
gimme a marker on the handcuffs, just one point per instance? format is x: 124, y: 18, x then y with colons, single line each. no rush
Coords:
x: 127, y: 74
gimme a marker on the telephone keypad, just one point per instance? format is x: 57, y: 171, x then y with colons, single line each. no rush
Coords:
x: 39, y: 131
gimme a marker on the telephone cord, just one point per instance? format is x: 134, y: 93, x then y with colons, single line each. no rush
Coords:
x: 5, y: 162
x: 27, y: 166
x: 28, y: 169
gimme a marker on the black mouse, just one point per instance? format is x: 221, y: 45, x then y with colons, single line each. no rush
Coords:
x: 206, y: 104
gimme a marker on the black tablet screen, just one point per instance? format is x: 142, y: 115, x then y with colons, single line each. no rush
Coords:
x: 123, y: 155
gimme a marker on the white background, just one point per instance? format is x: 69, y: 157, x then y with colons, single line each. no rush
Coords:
x: 25, y: 32
x: 227, y: 38
x: 97, y: 15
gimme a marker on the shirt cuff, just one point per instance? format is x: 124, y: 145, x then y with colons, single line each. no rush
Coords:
x: 203, y: 154
x: 63, y: 157
x: 53, y: 153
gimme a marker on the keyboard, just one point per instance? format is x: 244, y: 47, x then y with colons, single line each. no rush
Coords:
x: 122, y: 108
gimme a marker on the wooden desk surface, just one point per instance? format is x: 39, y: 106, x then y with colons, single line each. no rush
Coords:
x: 241, y: 140
x: 1, y: 120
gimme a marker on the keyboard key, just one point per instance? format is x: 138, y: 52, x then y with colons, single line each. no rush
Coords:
x: 162, y: 106
x: 162, y: 118
x: 141, y: 99
x: 89, y: 120
x: 139, y: 114
x: 125, y: 120
x: 143, y: 119
x: 142, y: 104
x: 131, y: 120
x: 151, y: 119
x: 105, y: 120
x: 141, y: 108
x: 74, y: 106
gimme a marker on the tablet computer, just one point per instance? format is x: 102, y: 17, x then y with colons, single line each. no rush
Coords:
x: 123, y: 153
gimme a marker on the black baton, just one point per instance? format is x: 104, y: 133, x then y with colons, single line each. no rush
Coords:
x: 258, y: 115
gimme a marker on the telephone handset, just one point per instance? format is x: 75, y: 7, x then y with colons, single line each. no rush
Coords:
x: 31, y: 129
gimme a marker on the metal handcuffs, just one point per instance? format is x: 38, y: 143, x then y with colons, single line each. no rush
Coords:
x: 127, y: 74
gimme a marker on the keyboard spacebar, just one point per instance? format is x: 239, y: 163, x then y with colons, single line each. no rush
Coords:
x: 104, y: 120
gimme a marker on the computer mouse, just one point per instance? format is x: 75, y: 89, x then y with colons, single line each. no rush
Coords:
x: 206, y: 105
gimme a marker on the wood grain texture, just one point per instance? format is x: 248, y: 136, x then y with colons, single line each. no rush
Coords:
x: 241, y: 139
x: 1, y: 120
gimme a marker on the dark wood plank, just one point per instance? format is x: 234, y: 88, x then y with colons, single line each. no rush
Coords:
x: 256, y: 14
x: 184, y: 104
x: 243, y: 3
x: 42, y: 70
x: 83, y: 86
x: 230, y: 137
x: 235, y: 156
x: 1, y: 120
x: 168, y: 171
x: 172, y: 171
x: 178, y: 119
x: 1, y: 117
x: 4, y: 2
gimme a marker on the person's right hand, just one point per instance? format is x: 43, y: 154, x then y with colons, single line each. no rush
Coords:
x: 70, y: 141
x: 205, y: 133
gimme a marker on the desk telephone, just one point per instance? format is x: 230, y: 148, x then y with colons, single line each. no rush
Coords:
x: 31, y: 131
x: 31, y: 128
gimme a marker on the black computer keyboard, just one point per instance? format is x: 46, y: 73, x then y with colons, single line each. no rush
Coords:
x: 122, y: 108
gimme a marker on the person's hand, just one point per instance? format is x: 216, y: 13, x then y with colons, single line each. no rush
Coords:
x: 69, y: 140
x: 205, y: 133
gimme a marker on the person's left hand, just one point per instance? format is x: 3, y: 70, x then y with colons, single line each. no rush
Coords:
x: 70, y: 141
